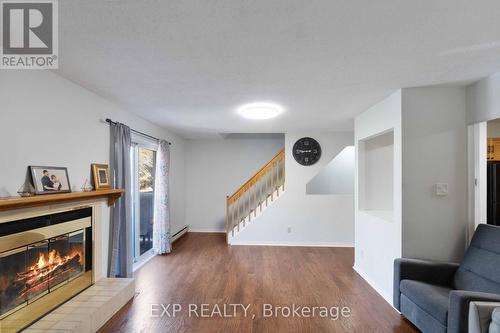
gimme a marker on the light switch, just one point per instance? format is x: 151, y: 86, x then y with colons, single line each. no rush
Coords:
x: 441, y: 189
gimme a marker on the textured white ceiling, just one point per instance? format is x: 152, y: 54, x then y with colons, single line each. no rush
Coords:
x: 188, y: 64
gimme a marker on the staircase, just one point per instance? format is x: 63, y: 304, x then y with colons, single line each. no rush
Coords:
x: 256, y: 194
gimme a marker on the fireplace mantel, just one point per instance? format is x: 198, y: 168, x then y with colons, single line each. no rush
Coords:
x: 50, y: 199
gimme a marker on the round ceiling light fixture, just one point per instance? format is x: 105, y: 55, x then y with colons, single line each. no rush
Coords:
x: 260, y: 111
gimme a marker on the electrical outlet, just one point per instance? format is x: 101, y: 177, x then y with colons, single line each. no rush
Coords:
x: 289, y: 230
x: 441, y: 189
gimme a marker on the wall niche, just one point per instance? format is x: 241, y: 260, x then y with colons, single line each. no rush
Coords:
x: 376, y: 174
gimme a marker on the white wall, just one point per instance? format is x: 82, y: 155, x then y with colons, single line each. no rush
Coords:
x: 316, y: 220
x: 493, y: 128
x: 378, y: 233
x: 218, y: 167
x: 430, y: 146
x: 434, y: 151
x: 483, y: 100
x: 47, y: 120
x: 337, y: 177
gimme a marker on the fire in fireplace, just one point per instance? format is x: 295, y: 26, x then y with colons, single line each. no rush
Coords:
x: 50, y: 270
x: 50, y: 252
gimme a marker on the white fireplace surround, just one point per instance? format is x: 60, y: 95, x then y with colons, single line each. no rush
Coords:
x: 100, y: 240
x: 100, y: 237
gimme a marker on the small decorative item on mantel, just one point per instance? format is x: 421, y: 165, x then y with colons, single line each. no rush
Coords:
x: 26, y: 190
x: 86, y: 187
x: 100, y: 175
x: 50, y: 180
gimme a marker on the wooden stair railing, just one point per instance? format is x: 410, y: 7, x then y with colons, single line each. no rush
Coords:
x: 255, y: 192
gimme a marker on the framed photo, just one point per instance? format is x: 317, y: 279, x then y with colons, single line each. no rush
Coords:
x: 50, y: 180
x: 100, y: 174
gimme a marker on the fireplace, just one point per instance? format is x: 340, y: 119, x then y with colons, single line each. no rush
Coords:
x: 44, y: 261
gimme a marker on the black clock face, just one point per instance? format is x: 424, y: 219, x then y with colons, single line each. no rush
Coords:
x: 306, y: 151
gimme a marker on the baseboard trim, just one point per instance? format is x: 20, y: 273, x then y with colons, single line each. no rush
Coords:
x: 298, y: 244
x: 207, y: 230
x: 374, y: 285
x: 180, y: 233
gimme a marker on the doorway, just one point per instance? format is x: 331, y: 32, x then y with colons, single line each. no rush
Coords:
x: 484, y: 173
x: 143, y: 160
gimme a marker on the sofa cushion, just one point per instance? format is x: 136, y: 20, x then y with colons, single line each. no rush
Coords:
x: 480, y: 268
x: 430, y: 298
x: 421, y: 319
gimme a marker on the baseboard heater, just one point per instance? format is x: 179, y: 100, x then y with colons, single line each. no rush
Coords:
x: 179, y: 234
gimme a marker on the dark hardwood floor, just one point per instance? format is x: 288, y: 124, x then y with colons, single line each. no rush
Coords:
x: 203, y: 269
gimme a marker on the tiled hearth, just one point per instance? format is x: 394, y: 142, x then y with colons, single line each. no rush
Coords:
x: 89, y: 310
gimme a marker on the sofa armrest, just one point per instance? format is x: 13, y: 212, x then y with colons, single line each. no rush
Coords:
x: 480, y: 315
x: 495, y: 321
x: 458, y: 308
x: 432, y: 272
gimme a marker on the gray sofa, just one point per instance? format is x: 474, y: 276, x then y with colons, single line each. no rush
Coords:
x: 435, y: 296
x: 484, y: 317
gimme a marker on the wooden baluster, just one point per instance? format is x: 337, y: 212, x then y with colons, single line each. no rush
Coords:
x: 266, y: 188
x: 232, y: 219
x: 255, y: 199
x: 277, y: 178
x: 272, y: 182
x: 261, y: 185
x: 238, y: 200
x: 227, y: 218
x: 244, y: 208
x: 249, y: 202
x: 239, y: 220
x: 283, y: 173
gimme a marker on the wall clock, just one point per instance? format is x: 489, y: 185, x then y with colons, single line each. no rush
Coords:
x: 306, y: 151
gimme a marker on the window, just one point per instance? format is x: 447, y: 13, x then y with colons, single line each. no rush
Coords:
x: 143, y: 159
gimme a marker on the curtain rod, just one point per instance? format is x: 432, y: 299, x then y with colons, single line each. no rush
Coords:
x: 109, y: 121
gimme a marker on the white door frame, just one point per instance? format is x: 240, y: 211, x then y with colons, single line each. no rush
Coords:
x: 477, y: 162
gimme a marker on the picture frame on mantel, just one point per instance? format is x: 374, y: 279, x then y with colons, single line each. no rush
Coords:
x: 50, y: 180
x: 100, y: 176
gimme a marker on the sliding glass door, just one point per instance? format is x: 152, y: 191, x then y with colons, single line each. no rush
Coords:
x: 143, y: 159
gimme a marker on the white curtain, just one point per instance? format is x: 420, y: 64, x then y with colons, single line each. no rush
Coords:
x: 161, y: 224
